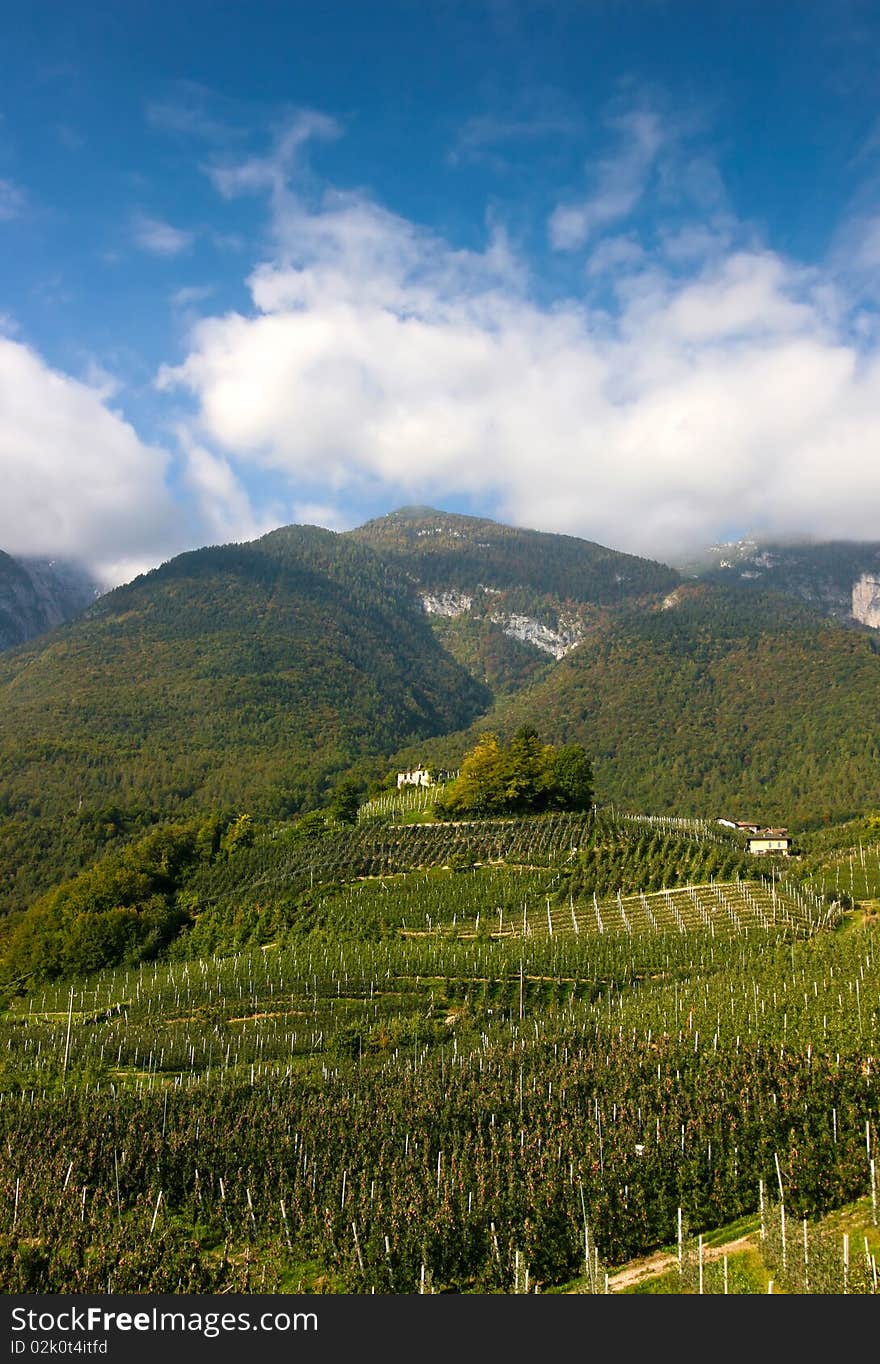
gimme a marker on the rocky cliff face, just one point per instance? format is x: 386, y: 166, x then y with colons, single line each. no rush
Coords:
x: 530, y: 631
x: 839, y: 578
x: 449, y: 603
x: 527, y: 629
x: 866, y: 600
x: 38, y: 594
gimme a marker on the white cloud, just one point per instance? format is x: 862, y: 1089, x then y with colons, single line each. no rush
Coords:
x: 102, y: 383
x: 70, y: 138
x: 160, y: 238
x: 856, y: 252
x: 224, y: 505
x: 13, y: 201
x: 539, y: 115
x: 77, y: 481
x: 191, y: 293
x: 273, y: 172
x: 320, y: 514
x: 376, y: 357
x: 617, y: 255
x: 620, y: 183
x: 189, y: 110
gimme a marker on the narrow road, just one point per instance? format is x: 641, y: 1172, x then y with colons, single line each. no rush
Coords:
x: 662, y: 1262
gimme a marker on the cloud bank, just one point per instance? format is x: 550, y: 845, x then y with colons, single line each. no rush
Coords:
x: 699, y: 385
x: 77, y: 480
x: 687, y: 386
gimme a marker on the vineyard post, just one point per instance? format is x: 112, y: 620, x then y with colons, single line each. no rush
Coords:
x: 761, y: 1208
x: 781, y: 1207
x: 725, y: 1274
x: 67, y: 1039
x: 806, y: 1259
x: 680, y: 1244
x: 873, y: 1192
x: 845, y: 1262
x: 700, y: 1255
x: 15, y: 1214
x: 357, y: 1245
x: 586, y: 1226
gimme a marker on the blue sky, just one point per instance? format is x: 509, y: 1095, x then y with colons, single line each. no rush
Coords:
x: 608, y: 268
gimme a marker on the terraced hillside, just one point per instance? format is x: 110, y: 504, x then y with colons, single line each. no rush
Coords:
x: 421, y: 1058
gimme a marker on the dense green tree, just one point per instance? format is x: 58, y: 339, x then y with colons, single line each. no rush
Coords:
x: 480, y: 787
x: 122, y: 910
x: 528, y: 771
x: 240, y: 834
x: 573, y: 777
x: 346, y: 801
x: 525, y: 776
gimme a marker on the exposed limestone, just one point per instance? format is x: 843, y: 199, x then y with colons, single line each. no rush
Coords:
x: 449, y: 603
x: 531, y: 631
x: 866, y: 600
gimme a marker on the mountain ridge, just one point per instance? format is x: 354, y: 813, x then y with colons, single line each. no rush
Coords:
x: 839, y: 578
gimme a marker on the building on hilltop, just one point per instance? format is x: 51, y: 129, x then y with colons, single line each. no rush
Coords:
x: 423, y: 776
x: 419, y: 776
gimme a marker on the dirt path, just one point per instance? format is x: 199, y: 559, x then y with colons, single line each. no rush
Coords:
x: 661, y: 1263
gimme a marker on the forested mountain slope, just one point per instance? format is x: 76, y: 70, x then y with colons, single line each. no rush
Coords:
x: 239, y: 677
x: 505, y: 600
x: 713, y: 700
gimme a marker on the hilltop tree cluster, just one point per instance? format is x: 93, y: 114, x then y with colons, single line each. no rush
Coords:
x: 525, y: 776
